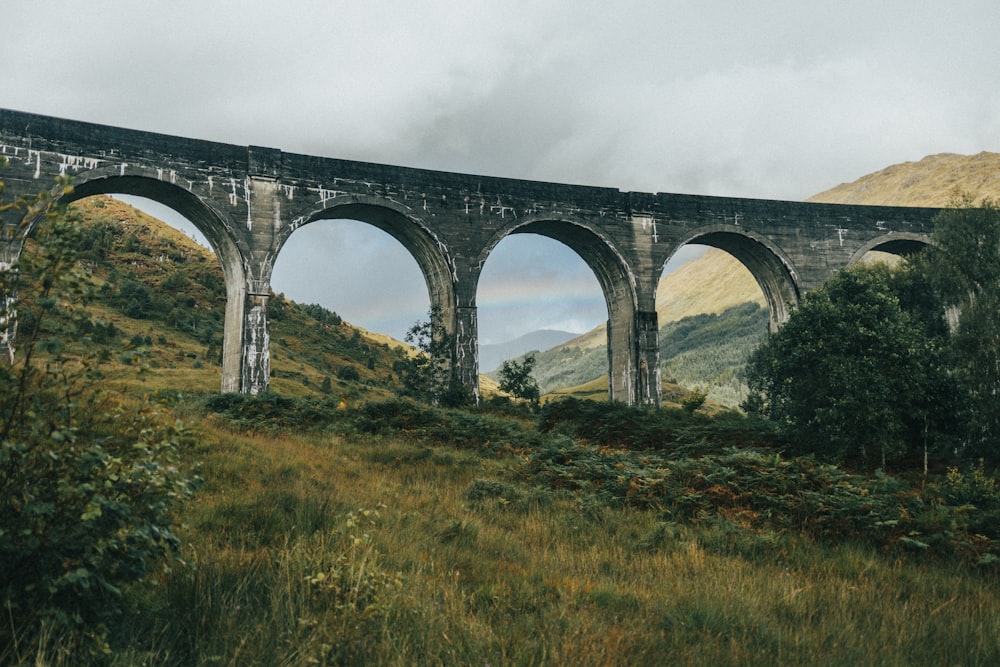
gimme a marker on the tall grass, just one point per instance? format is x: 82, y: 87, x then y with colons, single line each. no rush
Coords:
x: 380, y: 549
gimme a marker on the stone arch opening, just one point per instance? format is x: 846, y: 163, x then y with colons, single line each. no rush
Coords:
x: 324, y: 263
x: 769, y: 267
x: 416, y: 239
x: 420, y: 259
x: 207, y: 221
x: 750, y: 289
x: 900, y: 244
x: 617, y: 284
x: 534, y: 285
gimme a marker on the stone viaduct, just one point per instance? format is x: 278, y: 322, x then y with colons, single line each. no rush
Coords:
x: 248, y: 201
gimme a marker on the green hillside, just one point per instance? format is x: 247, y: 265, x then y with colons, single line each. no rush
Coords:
x: 163, y: 298
x: 712, y: 316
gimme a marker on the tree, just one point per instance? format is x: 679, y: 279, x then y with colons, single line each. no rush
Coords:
x: 88, y: 481
x: 515, y: 379
x: 427, y: 374
x: 964, y: 265
x: 854, y: 376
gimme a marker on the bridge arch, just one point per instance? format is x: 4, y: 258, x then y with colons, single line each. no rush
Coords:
x: 769, y: 266
x: 618, y: 284
x: 896, y: 243
x: 232, y: 258
x: 398, y: 221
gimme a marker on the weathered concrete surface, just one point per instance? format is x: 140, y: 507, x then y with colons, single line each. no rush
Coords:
x: 249, y: 200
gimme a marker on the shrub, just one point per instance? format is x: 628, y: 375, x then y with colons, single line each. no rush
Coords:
x: 270, y: 412
x: 348, y: 373
x: 670, y: 430
x: 87, y: 484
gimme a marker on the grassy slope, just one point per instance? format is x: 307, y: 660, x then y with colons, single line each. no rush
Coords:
x: 470, y: 569
x: 931, y: 181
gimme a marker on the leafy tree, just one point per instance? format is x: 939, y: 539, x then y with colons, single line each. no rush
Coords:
x: 854, y: 376
x: 964, y: 264
x: 427, y: 374
x: 88, y: 482
x: 515, y: 378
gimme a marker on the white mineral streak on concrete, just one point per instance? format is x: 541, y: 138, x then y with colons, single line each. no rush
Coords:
x: 257, y: 350
x: 211, y: 184
x: 159, y: 173
x: 325, y: 195
x: 287, y: 190
x: 37, y: 155
x: 840, y: 236
x: 121, y: 170
x: 501, y: 209
x: 8, y: 317
x: 76, y: 162
x: 246, y: 194
x: 647, y: 222
x: 233, y: 197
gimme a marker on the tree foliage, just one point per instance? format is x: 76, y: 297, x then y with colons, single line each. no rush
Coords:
x: 88, y: 482
x: 428, y: 374
x: 859, y: 373
x: 964, y: 265
x: 516, y: 380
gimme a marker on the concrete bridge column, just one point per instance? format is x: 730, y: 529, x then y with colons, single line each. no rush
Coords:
x: 264, y: 217
x: 256, y: 353
x: 634, y: 358
x: 648, y: 386
x: 622, y: 362
x: 466, y: 350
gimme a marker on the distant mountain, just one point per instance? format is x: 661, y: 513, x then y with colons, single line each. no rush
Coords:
x: 492, y: 355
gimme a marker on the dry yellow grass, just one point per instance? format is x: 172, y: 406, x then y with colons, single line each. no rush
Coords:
x: 932, y: 181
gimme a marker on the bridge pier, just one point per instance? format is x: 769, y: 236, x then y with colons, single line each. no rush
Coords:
x: 466, y: 349
x: 256, y: 357
x: 649, y: 389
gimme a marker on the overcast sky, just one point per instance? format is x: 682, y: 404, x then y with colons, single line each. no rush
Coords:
x: 775, y: 99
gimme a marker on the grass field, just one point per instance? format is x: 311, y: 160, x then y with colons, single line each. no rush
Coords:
x: 324, y: 548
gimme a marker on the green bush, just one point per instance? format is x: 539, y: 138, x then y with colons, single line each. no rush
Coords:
x: 676, y: 431
x: 348, y: 373
x: 763, y: 492
x: 88, y: 485
x: 271, y: 412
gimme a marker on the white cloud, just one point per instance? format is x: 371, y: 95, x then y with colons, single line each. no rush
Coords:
x: 775, y: 99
